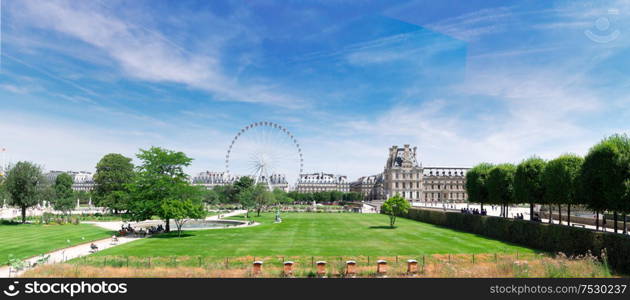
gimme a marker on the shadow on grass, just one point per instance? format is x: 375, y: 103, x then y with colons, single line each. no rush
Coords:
x: 171, y: 235
x: 382, y: 227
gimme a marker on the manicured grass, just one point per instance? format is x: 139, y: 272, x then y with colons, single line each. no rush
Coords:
x: 317, y: 234
x: 27, y: 240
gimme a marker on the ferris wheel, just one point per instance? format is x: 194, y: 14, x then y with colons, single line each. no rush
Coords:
x: 267, y: 151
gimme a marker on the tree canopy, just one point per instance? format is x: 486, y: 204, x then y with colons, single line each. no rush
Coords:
x: 394, y: 207
x: 114, y: 173
x: 23, y: 184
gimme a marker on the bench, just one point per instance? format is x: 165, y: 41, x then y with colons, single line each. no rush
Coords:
x: 578, y: 225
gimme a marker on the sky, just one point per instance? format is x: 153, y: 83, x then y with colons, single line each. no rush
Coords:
x: 464, y: 81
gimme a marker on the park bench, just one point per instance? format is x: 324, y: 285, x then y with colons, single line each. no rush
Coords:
x: 578, y: 225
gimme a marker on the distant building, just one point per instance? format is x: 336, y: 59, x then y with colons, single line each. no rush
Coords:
x: 81, y: 181
x: 211, y: 179
x: 322, y: 182
x: 445, y: 184
x: 370, y: 187
x: 405, y: 176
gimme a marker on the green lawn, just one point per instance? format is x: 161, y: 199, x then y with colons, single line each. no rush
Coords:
x: 27, y: 240
x: 317, y: 234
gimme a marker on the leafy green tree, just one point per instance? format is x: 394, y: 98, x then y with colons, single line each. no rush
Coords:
x: 500, y: 186
x: 211, y: 197
x: 160, y: 177
x: 262, y: 198
x: 242, y: 184
x: 476, y: 183
x: 246, y: 198
x: 528, y: 182
x: 281, y: 197
x: 395, y: 206
x: 114, y: 174
x: 605, y: 175
x: 561, y: 180
x: 63, y: 195
x: 23, y: 185
x: 185, y: 203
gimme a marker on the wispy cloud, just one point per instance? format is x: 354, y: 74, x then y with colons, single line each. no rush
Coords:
x: 143, y: 54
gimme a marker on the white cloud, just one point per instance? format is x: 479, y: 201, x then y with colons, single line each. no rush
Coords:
x: 142, y: 53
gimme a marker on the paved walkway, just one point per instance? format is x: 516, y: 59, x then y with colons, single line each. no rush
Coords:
x: 496, y: 210
x: 62, y: 255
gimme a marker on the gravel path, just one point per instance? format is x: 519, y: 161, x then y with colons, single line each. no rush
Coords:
x: 62, y: 255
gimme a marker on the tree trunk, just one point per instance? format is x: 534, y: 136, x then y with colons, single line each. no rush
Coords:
x: 481, y: 206
x: 597, y: 220
x: 568, y: 214
x: 23, y: 214
x: 258, y: 212
x: 615, y: 220
x: 507, y: 209
x: 625, y: 228
x: 559, y: 214
x: 550, y: 214
x: 531, y: 211
x: 167, y: 228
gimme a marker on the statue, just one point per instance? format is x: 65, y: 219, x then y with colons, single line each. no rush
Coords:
x: 278, y: 219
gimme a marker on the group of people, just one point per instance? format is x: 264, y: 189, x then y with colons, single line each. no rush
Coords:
x: 474, y: 211
x: 519, y: 216
x: 125, y: 230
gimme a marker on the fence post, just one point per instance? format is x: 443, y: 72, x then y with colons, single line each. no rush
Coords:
x: 127, y: 261
x: 149, y: 262
x: 449, y: 258
x: 312, y: 262
x: 422, y: 264
x: 473, y: 258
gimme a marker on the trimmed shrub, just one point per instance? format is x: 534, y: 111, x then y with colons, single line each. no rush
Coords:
x: 541, y: 236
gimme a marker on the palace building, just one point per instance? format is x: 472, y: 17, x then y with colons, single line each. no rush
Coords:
x: 405, y: 176
x: 322, y: 182
x: 81, y: 181
x: 211, y: 179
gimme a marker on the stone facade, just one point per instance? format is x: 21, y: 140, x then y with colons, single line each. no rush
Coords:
x: 322, y: 182
x: 81, y: 181
x: 405, y: 176
x: 211, y: 179
x: 445, y: 184
x: 371, y: 187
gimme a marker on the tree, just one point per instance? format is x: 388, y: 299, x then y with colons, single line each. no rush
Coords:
x: 560, y: 181
x: 246, y: 199
x: 211, y: 197
x: 605, y: 175
x: 242, y: 184
x: 528, y: 183
x: 159, y: 178
x: 500, y: 186
x: 395, y: 206
x: 114, y: 173
x: 262, y: 198
x: 185, y: 203
x: 23, y: 185
x: 63, y: 199
x: 476, y: 183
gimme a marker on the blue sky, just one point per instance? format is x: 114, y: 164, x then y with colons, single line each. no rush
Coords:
x: 464, y: 81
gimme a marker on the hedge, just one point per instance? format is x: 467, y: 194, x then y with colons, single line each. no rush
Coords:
x: 541, y: 236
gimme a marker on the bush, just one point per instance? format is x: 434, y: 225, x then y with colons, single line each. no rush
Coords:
x: 546, y: 237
